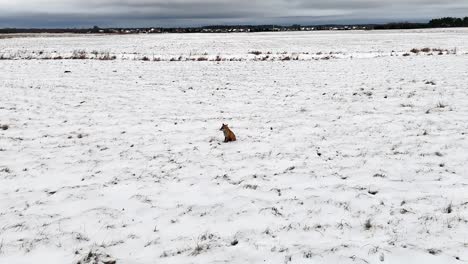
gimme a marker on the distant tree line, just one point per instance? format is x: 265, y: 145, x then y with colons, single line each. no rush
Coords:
x: 434, y: 23
x: 403, y: 25
x: 449, y: 22
x: 205, y: 29
x: 444, y: 22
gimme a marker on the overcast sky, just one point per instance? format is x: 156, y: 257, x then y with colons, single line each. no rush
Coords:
x: 109, y: 13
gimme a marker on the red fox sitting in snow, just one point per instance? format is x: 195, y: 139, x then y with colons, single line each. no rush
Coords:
x: 228, y: 134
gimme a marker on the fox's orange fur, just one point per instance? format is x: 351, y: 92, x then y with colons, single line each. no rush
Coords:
x: 228, y: 134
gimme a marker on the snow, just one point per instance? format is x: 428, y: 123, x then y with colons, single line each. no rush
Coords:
x: 347, y: 160
x: 305, y: 45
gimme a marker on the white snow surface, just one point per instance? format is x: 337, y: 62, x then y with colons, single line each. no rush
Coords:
x: 304, y: 45
x: 353, y: 160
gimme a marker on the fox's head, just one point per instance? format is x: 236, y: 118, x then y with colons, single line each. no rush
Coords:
x: 225, y: 126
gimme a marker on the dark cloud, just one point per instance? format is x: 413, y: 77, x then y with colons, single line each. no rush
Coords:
x: 84, y: 13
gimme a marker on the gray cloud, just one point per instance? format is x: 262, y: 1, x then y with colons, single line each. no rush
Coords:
x: 83, y: 13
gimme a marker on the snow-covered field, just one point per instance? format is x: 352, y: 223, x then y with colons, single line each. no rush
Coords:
x: 271, y: 46
x: 356, y: 159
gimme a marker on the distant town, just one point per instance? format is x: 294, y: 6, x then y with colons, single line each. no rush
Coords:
x: 435, y: 23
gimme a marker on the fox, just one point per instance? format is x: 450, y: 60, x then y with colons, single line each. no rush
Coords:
x: 228, y: 134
